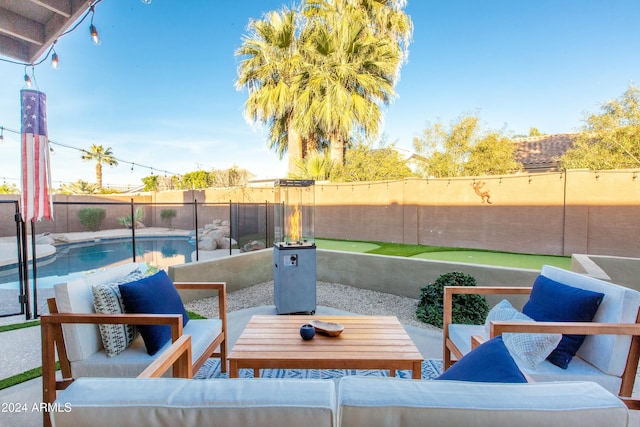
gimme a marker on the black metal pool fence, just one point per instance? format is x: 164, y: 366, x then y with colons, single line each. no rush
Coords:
x: 245, y: 226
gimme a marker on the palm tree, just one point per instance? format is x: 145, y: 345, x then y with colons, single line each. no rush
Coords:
x: 323, y: 74
x: 350, y: 75
x: 269, y: 64
x: 386, y: 16
x: 101, y: 156
x: 317, y: 166
x: 79, y: 187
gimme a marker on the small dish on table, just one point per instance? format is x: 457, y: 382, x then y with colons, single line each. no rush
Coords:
x: 330, y: 329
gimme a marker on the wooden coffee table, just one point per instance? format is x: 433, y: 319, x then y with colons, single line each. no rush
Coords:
x: 367, y: 342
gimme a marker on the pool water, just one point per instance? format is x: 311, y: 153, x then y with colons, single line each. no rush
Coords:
x: 72, y: 261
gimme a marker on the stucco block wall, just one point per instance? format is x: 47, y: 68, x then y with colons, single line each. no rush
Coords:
x: 547, y: 213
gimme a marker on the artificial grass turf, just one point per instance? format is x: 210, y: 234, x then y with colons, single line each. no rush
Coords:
x: 37, y: 372
x: 25, y: 376
x: 13, y: 327
x: 503, y: 259
x: 346, y: 245
x: 440, y: 253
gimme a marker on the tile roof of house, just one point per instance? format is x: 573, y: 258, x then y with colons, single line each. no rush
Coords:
x: 542, y: 152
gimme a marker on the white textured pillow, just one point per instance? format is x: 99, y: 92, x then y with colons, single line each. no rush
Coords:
x: 107, y: 300
x: 530, y: 349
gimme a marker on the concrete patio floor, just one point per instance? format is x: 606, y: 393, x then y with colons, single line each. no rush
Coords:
x: 20, y: 350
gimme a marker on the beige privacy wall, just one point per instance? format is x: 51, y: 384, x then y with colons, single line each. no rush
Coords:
x: 551, y: 213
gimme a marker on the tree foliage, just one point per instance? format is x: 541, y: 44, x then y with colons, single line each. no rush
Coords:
x: 317, y: 166
x: 321, y: 73
x: 79, y: 187
x: 609, y: 139
x: 9, y: 189
x: 366, y: 163
x: 351, y: 68
x: 464, y: 150
x: 230, y: 177
x: 196, y: 179
x: 101, y: 156
x: 150, y: 183
x: 269, y: 63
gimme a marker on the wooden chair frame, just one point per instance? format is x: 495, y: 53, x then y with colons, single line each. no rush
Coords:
x: 178, y: 355
x: 583, y: 328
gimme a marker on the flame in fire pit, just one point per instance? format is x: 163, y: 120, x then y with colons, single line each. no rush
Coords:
x: 294, y: 225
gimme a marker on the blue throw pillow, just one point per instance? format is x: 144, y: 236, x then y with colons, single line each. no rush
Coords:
x: 551, y: 301
x: 153, y: 295
x: 487, y: 363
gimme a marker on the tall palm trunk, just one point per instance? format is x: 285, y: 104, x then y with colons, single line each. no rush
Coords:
x: 294, y: 149
x: 337, y: 149
x: 99, y: 174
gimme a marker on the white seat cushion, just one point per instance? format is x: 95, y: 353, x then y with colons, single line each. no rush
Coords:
x: 135, y: 358
x: 107, y: 402
x: 83, y: 340
x: 578, y: 370
x: 619, y: 305
x: 382, y: 402
x: 461, y: 335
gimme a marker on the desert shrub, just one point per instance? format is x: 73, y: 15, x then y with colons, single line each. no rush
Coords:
x: 92, y: 218
x: 128, y: 222
x: 166, y: 215
x: 467, y: 309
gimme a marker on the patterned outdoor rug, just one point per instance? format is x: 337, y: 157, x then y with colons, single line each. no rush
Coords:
x: 431, y: 368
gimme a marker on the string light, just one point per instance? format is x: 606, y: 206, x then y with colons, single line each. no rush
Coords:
x: 92, y: 28
x: 1, y: 133
x: 27, y: 79
x: 54, y: 60
x: 85, y: 152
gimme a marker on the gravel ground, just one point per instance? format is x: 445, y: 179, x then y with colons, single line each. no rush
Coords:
x: 334, y: 295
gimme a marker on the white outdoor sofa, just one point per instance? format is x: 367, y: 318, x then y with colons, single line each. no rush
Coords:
x: 359, y: 402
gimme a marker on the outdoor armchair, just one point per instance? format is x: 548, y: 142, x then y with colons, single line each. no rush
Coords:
x: 71, y: 329
x: 608, y: 356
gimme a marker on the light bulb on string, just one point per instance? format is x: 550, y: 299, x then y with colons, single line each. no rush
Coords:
x: 55, y: 60
x: 132, y: 167
x: 92, y: 28
x: 94, y: 34
x: 1, y: 133
x: 27, y: 80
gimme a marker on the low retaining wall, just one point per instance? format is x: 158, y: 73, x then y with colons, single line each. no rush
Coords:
x: 394, y: 275
x: 238, y: 271
x: 623, y: 271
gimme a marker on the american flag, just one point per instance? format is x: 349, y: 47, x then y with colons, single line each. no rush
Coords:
x: 36, y: 173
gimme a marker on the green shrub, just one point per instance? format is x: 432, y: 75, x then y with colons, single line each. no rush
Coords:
x: 128, y: 222
x: 467, y: 309
x: 166, y: 215
x: 92, y: 218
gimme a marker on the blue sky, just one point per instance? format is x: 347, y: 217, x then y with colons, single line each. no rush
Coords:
x: 160, y: 88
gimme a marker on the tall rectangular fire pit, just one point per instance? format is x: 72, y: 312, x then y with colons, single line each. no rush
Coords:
x: 294, y: 251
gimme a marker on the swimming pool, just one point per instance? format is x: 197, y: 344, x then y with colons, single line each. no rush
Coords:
x: 73, y: 260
